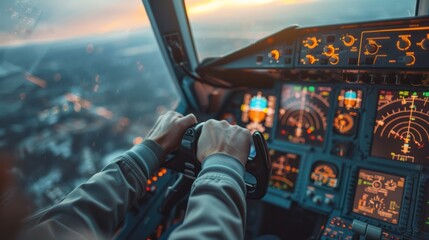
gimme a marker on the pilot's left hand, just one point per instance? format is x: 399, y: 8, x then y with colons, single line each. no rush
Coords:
x: 169, y: 129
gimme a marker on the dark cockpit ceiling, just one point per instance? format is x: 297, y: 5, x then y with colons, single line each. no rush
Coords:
x: 345, y: 111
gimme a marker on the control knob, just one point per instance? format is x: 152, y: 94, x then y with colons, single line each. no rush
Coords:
x: 329, y: 201
x: 274, y: 54
x: 348, y: 40
x: 317, y: 200
x: 329, y: 50
x: 310, y: 193
x: 371, y: 47
x: 334, y: 59
x: 403, y: 43
x: 424, y: 44
x: 309, y: 59
x: 409, y: 60
x: 311, y: 42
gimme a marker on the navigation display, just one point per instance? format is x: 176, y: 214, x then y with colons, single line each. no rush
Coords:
x: 379, y: 195
x: 401, y: 129
x: 303, y: 114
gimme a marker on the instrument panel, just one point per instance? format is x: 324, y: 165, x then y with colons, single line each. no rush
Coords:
x: 347, y: 122
x: 335, y: 147
x: 397, y: 47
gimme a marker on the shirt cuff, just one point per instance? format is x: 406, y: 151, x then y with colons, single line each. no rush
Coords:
x: 224, y: 160
x: 149, y: 155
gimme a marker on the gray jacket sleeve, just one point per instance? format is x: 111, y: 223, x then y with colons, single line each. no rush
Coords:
x: 96, y: 208
x: 217, y: 206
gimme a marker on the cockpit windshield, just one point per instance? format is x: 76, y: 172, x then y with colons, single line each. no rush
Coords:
x: 80, y: 82
x: 223, y: 26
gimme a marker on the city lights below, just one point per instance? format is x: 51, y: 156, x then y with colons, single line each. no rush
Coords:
x: 56, y: 20
x: 33, y: 79
x: 137, y: 140
x: 102, y: 111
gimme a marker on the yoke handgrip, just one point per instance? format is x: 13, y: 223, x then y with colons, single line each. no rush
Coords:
x: 260, y: 167
x: 185, y: 161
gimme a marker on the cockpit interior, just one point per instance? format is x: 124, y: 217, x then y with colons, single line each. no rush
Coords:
x: 340, y: 93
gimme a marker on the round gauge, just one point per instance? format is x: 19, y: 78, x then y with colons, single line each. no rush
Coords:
x: 324, y: 174
x: 302, y: 114
x: 285, y: 169
x: 344, y: 123
x: 377, y: 203
x: 401, y: 129
x: 391, y: 185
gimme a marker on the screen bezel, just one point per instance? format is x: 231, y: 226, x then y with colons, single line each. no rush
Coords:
x: 374, y: 119
x: 300, y: 168
x: 381, y: 173
x: 405, y: 203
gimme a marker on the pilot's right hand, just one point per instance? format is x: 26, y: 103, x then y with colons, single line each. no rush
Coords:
x: 221, y: 137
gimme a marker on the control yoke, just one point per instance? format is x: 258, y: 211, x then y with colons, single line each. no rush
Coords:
x: 258, y: 167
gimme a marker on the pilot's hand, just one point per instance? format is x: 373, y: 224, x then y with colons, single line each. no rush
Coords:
x: 221, y: 137
x: 169, y: 129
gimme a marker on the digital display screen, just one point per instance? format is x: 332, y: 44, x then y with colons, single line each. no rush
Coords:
x: 401, y: 129
x: 379, y: 195
x: 257, y: 112
x: 324, y: 174
x: 350, y: 99
x: 303, y: 114
x: 284, y: 171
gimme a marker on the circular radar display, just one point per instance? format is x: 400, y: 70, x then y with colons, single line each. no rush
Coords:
x: 302, y: 114
x: 285, y: 169
x: 401, y: 129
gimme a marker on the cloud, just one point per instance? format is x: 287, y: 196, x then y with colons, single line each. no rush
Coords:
x: 57, y: 20
x: 195, y: 7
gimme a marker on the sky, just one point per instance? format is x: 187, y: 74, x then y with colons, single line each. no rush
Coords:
x: 48, y: 20
x: 25, y: 21
x: 269, y: 16
x: 220, y: 27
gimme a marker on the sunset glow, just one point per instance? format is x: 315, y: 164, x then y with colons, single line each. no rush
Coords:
x: 78, y: 20
x: 198, y: 7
